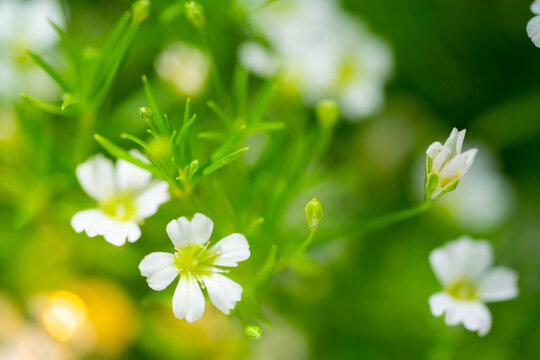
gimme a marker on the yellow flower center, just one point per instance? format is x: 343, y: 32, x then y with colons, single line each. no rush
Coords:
x: 463, y: 290
x: 121, y: 208
x: 195, y: 260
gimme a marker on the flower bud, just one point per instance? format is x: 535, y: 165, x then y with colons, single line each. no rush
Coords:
x: 141, y: 11
x: 146, y: 114
x: 193, y: 167
x: 253, y: 331
x: 194, y: 13
x: 327, y: 112
x: 314, y: 214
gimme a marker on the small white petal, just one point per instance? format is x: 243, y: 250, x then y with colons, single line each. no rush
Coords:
x: 463, y: 258
x: 499, y: 284
x: 451, y: 142
x: 179, y: 231
x: 475, y: 316
x: 96, y: 176
x: 442, y: 156
x: 95, y: 222
x: 131, y: 177
x: 150, y: 199
x: 454, y: 167
x: 439, y: 303
x: 154, y: 262
x: 459, y: 142
x: 188, y: 299
x: 201, y: 227
x: 533, y: 30
x: 434, y: 149
x: 469, y: 158
x: 223, y: 292
x: 535, y: 7
x: 162, y: 278
x: 231, y: 249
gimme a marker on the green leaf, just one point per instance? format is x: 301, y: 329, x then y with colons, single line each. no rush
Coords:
x: 120, y: 153
x: 46, y: 106
x: 157, y: 115
x: 432, y: 181
x: 136, y: 140
x: 212, y: 135
x: 59, y: 78
x: 220, y: 113
x: 265, y: 127
x: 240, y: 86
x: 221, y: 162
x: 261, y: 101
x: 70, y: 49
x: 266, y: 270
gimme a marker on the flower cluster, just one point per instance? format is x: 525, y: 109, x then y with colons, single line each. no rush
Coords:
x: 322, y: 52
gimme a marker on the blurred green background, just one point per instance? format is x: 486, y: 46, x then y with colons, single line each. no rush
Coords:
x: 463, y: 63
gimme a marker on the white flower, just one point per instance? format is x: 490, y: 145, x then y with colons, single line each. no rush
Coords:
x: 464, y: 268
x: 24, y: 25
x: 533, y: 26
x: 446, y: 164
x: 126, y: 194
x: 322, y: 52
x: 198, y: 266
x: 185, y: 67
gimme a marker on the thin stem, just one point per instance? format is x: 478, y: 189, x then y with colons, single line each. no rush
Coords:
x: 290, y: 259
x: 364, y: 225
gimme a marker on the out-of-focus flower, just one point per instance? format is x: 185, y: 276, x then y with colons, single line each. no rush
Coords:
x: 24, y: 25
x: 485, y: 198
x: 533, y: 26
x: 196, y: 265
x: 185, y: 67
x: 464, y: 268
x: 323, y: 52
x: 64, y: 315
x: 125, y: 194
x: 446, y: 164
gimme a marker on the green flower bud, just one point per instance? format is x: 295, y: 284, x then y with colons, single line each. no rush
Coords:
x: 314, y: 214
x: 193, y: 167
x: 327, y: 112
x: 253, y: 331
x: 194, y: 13
x: 146, y: 114
x: 141, y: 11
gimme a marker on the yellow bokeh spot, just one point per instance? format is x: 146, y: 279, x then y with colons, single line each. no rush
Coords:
x: 65, y: 313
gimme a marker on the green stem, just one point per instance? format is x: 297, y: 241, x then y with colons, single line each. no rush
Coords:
x: 364, y: 225
x: 285, y: 262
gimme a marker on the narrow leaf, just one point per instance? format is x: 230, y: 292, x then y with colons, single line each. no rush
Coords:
x: 120, y: 153
x: 59, y: 78
x: 159, y: 121
x: 218, y: 164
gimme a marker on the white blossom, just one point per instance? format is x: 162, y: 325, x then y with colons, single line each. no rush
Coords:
x: 446, y: 164
x: 533, y: 26
x: 126, y: 195
x: 198, y: 266
x: 24, y: 25
x: 322, y: 52
x: 185, y: 67
x: 464, y: 268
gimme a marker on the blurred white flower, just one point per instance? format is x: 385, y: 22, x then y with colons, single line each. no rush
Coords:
x: 198, y: 266
x: 485, y: 198
x: 533, y: 26
x: 464, y: 268
x: 125, y: 194
x: 185, y: 67
x: 446, y: 164
x: 323, y: 52
x: 24, y: 25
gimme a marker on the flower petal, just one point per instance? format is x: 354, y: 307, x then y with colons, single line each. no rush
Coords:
x: 535, y: 7
x: 201, y: 227
x: 188, y: 299
x: 131, y: 177
x: 96, y: 176
x: 434, y: 149
x: 151, y: 198
x: 533, y: 30
x: 499, y: 284
x: 179, y: 231
x: 442, y: 157
x: 459, y: 141
x: 162, y: 278
x: 475, y: 316
x: 95, y: 222
x: 231, y: 249
x: 223, y: 292
x: 462, y: 258
x: 154, y: 262
x: 439, y: 303
x: 451, y: 142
